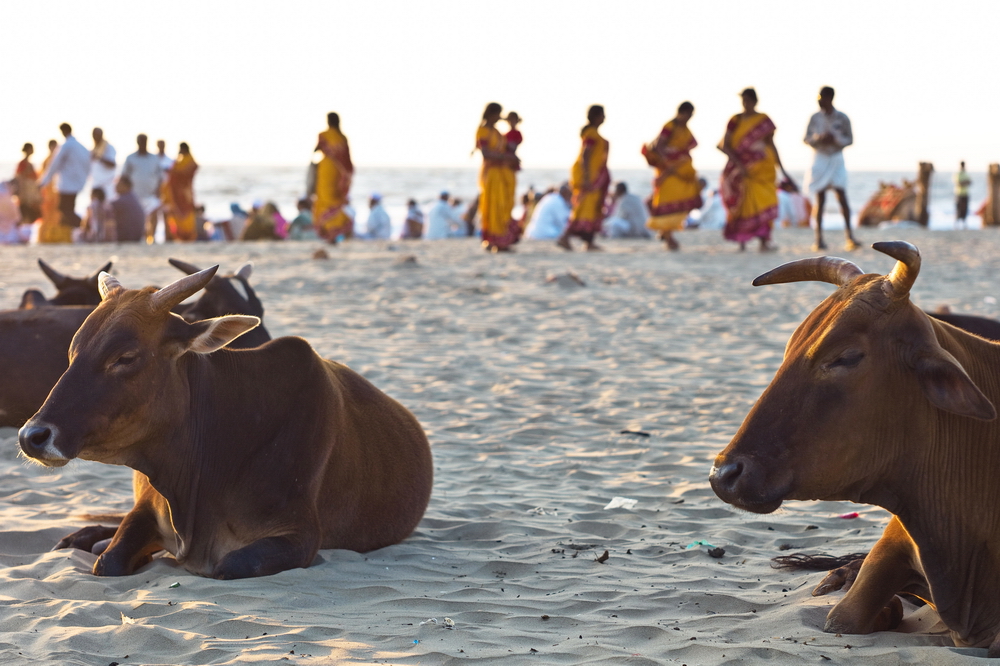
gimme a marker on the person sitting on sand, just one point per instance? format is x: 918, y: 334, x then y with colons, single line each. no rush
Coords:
x: 551, y: 215
x: 443, y: 220
x: 98, y: 223
x: 379, y: 226
x: 128, y: 213
x: 10, y: 214
x: 413, y: 227
x: 628, y: 215
x: 260, y: 225
x: 301, y: 228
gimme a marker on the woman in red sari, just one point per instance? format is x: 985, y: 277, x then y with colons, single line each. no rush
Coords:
x: 333, y: 183
x: 589, y: 180
x: 27, y: 187
x: 676, y: 190
x: 749, y: 191
x: 180, y: 200
x: 497, y: 182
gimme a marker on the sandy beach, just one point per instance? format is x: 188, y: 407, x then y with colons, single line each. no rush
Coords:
x: 523, y: 381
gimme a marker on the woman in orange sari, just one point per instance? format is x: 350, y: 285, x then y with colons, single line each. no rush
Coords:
x: 333, y: 183
x: 179, y: 202
x: 497, y: 183
x: 676, y: 190
x: 748, y: 187
x: 589, y: 180
x: 52, y: 230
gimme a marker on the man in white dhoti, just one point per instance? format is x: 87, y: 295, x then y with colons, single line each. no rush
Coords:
x: 829, y: 132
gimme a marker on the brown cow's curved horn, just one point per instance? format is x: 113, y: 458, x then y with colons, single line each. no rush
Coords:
x: 106, y: 284
x: 816, y: 269
x: 907, y: 267
x: 190, y: 269
x: 54, y: 276
x: 176, y: 292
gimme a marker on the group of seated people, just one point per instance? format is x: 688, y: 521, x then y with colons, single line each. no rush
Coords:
x: 121, y: 219
x: 548, y: 214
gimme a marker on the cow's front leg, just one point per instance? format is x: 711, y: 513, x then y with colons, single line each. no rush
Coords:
x: 265, y: 557
x: 871, y: 604
x: 133, y: 545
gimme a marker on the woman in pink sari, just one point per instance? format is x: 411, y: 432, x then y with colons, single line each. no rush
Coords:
x: 749, y: 191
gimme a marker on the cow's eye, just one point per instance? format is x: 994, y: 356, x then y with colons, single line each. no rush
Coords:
x: 125, y: 360
x: 847, y: 360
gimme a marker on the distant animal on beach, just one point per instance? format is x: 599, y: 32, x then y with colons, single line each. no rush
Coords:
x: 246, y: 461
x: 890, y: 202
x: 877, y: 403
x: 69, y: 290
x: 34, y: 342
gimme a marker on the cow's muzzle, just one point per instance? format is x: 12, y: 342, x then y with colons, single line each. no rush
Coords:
x: 37, y: 440
x: 741, y: 482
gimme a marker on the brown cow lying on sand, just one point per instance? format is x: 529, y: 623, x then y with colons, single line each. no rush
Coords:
x: 246, y: 461
x: 877, y: 403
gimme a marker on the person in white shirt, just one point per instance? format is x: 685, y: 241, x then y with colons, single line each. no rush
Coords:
x: 551, y: 215
x: 145, y: 171
x: 379, y: 226
x: 413, y: 226
x: 102, y: 163
x: 829, y: 132
x: 628, y: 215
x: 166, y: 162
x: 443, y: 221
x: 72, y: 163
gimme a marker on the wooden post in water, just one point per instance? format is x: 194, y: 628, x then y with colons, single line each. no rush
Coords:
x: 924, y: 192
x: 991, y: 213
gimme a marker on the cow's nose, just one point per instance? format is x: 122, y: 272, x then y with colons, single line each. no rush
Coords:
x: 725, y: 476
x: 34, y: 438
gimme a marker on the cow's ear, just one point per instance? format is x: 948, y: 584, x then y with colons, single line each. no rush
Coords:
x: 213, y: 334
x: 948, y: 387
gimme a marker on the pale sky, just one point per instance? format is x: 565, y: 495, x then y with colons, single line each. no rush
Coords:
x: 250, y: 82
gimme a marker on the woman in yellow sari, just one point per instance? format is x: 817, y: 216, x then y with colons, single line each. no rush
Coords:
x: 52, y: 230
x: 179, y: 199
x: 676, y: 190
x: 589, y: 180
x: 333, y: 183
x: 497, y: 183
x: 748, y: 187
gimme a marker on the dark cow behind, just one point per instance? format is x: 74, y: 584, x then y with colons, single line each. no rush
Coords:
x: 246, y: 461
x: 875, y: 402
x: 34, y: 343
x: 69, y: 290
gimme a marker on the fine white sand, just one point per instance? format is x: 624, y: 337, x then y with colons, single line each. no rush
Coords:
x: 523, y: 386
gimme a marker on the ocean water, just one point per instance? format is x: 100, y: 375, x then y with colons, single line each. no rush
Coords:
x: 218, y: 186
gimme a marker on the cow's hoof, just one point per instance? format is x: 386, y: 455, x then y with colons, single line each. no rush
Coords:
x: 889, y: 617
